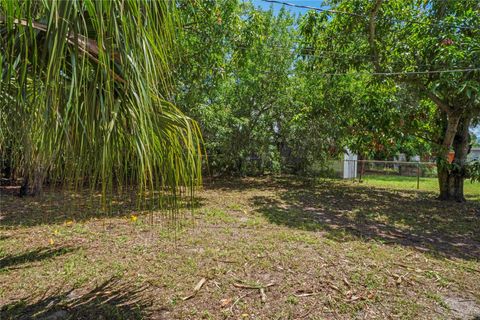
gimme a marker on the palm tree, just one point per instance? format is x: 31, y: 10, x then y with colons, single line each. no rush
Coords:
x: 84, y: 95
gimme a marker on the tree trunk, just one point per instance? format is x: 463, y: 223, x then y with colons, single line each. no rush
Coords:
x: 451, y: 178
x: 32, y: 187
x: 24, y: 188
x: 461, y: 147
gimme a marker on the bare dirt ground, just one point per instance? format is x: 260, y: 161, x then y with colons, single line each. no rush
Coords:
x: 264, y: 248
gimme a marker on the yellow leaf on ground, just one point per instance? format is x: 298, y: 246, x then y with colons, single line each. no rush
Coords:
x: 225, y: 302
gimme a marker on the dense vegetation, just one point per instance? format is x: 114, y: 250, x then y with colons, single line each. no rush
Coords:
x: 84, y: 96
x: 100, y: 98
x: 274, y: 92
x: 117, y: 107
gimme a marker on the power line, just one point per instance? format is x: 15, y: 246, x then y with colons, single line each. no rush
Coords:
x: 315, y: 8
x: 333, y: 55
x: 400, y: 73
x: 325, y: 54
x: 353, y: 14
x: 393, y: 73
x: 316, y: 53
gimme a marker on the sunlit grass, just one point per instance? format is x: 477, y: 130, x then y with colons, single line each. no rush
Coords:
x: 472, y: 190
x: 338, y: 243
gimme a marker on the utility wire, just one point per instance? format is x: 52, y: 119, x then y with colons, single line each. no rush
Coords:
x: 353, y: 14
x: 315, y: 8
x: 337, y: 55
x: 316, y: 53
x: 406, y: 73
x: 393, y: 73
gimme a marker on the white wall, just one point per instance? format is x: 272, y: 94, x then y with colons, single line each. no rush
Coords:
x: 350, y: 165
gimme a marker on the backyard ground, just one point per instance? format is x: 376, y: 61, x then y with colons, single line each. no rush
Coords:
x: 263, y: 248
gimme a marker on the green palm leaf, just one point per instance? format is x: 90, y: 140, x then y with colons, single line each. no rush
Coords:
x: 84, y: 95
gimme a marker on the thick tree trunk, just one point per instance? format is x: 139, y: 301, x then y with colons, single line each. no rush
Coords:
x: 443, y: 171
x: 451, y: 178
x: 443, y: 180
x: 461, y: 147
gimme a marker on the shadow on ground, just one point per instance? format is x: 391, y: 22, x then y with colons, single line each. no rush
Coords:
x: 37, y: 255
x: 56, y: 206
x: 342, y: 211
x: 407, y: 218
x: 110, y: 300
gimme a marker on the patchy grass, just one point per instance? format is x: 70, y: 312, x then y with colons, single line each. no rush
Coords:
x: 270, y: 248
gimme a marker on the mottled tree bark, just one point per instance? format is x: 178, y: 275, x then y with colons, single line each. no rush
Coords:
x: 451, y: 178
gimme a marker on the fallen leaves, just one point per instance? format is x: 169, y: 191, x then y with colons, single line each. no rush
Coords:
x: 334, y: 287
x: 246, y: 286
x: 353, y: 296
x: 196, y: 289
x: 356, y: 276
x: 400, y: 278
x: 263, y: 295
x: 261, y: 289
x: 225, y: 302
x: 302, y: 294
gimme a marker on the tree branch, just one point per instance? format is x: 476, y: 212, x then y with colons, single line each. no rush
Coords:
x: 86, y: 45
x: 442, y: 105
x: 452, y: 125
x: 439, y: 102
x: 371, y: 36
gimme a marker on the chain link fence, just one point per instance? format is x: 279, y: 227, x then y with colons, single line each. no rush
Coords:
x: 365, y: 169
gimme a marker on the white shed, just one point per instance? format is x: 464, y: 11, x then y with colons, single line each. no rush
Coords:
x: 474, y: 154
x: 345, y: 167
x: 350, y: 161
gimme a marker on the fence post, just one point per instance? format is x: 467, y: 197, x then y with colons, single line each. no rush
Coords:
x: 418, y: 175
x: 361, y: 169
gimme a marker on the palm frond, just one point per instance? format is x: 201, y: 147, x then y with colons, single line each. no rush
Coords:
x: 84, y: 95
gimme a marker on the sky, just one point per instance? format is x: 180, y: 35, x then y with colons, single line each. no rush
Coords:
x: 476, y: 131
x: 276, y: 7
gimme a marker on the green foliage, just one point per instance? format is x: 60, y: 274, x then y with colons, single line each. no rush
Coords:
x: 404, y: 108
x: 257, y: 84
x: 474, y: 171
x: 475, y: 142
x: 235, y: 79
x: 84, y: 95
x: 399, y: 47
x: 270, y: 93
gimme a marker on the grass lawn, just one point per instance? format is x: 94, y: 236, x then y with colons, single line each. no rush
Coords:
x: 472, y: 190
x: 264, y: 248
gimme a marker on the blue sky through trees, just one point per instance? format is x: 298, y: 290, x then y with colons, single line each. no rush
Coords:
x: 300, y: 11
x: 276, y: 6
